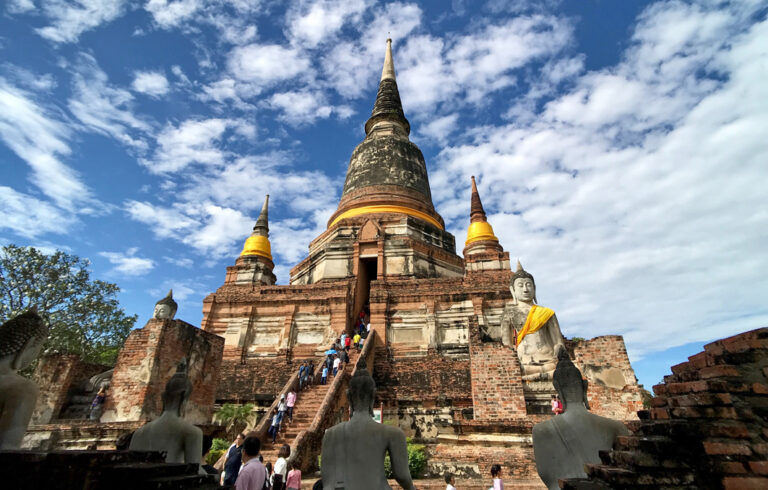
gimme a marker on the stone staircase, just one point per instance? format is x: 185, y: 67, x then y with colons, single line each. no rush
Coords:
x: 308, y: 403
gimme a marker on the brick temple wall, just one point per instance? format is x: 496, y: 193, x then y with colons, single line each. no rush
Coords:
x: 497, y: 385
x: 57, y: 375
x: 613, y: 389
x: 147, y: 361
x: 426, y: 378
x: 708, y: 427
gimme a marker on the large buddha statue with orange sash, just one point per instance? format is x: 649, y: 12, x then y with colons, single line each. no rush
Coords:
x: 532, y: 328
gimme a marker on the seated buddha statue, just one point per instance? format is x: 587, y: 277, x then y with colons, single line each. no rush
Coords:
x: 21, y: 339
x: 532, y: 328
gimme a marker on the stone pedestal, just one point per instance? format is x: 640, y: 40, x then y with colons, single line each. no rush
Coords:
x: 147, y: 361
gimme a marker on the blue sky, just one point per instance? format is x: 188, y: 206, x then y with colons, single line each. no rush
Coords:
x: 619, y: 147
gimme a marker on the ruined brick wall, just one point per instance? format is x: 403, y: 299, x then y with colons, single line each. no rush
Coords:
x: 708, y: 427
x: 147, y: 361
x: 56, y: 375
x: 255, y: 379
x: 497, y: 380
x: 613, y: 389
x: 430, y: 377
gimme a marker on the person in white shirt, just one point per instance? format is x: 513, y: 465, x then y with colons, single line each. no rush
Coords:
x: 336, y: 364
x: 449, y: 481
x: 281, y: 468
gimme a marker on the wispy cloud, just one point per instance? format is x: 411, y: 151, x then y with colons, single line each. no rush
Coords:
x: 70, y: 18
x: 103, y: 107
x: 30, y: 217
x: 39, y: 136
x: 128, y: 263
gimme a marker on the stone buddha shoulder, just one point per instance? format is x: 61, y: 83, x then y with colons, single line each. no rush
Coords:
x: 532, y: 328
x: 21, y: 339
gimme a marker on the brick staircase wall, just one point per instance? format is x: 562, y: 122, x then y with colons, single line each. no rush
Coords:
x: 708, y: 426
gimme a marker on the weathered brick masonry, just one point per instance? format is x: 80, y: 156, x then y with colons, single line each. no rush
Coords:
x: 57, y: 375
x: 147, y: 361
x: 708, y: 427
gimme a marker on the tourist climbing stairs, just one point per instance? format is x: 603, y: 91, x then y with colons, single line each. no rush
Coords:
x: 308, y: 403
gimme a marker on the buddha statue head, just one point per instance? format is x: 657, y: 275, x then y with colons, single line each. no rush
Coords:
x: 522, y: 285
x: 568, y: 382
x: 362, y: 390
x: 21, y: 338
x: 177, y: 390
x: 165, y: 309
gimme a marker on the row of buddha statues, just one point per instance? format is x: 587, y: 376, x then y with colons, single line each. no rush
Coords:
x: 562, y: 445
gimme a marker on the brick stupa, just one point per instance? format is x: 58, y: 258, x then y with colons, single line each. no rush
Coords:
x: 433, y: 315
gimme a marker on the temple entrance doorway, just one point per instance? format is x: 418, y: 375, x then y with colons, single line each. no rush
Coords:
x: 367, y: 270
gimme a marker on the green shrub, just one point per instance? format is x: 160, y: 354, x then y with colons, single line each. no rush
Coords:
x: 417, y: 460
x: 214, y: 456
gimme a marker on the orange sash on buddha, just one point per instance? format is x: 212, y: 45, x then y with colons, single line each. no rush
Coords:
x: 537, y: 318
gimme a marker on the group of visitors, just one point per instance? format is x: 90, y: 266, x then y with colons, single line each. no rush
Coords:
x: 245, y: 469
x: 284, y: 408
x: 557, y: 405
x: 497, y: 483
x: 306, y: 374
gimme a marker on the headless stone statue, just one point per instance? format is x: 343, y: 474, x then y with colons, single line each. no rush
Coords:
x: 181, y: 441
x: 21, y: 339
x: 165, y: 309
x: 532, y: 328
x: 353, y: 452
x: 565, y: 443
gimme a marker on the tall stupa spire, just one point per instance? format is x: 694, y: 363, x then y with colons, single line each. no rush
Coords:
x: 262, y: 223
x: 479, y: 228
x: 389, y: 66
x: 387, y: 113
x: 258, y: 242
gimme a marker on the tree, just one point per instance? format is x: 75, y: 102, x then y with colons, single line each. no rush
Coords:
x: 235, y: 416
x: 84, y: 315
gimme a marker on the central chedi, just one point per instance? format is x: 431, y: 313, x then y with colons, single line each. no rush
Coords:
x: 451, y: 336
x: 386, y: 186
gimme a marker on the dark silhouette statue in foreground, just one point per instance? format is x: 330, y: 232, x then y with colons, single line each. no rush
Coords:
x: 563, y: 444
x: 353, y: 452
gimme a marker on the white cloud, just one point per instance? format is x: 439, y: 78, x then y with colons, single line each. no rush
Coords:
x: 128, y: 263
x: 633, y: 197
x: 305, y: 107
x: 172, y: 13
x: 70, y: 18
x: 440, y: 128
x: 180, y: 261
x: 470, y: 67
x: 20, y: 6
x: 313, y: 22
x: 152, y: 83
x: 193, y: 141
x: 40, y: 137
x: 30, y: 217
x: 164, y: 222
x: 103, y: 108
x: 351, y: 66
x: 266, y: 64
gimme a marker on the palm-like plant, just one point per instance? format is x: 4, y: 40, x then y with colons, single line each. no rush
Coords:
x: 235, y: 416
